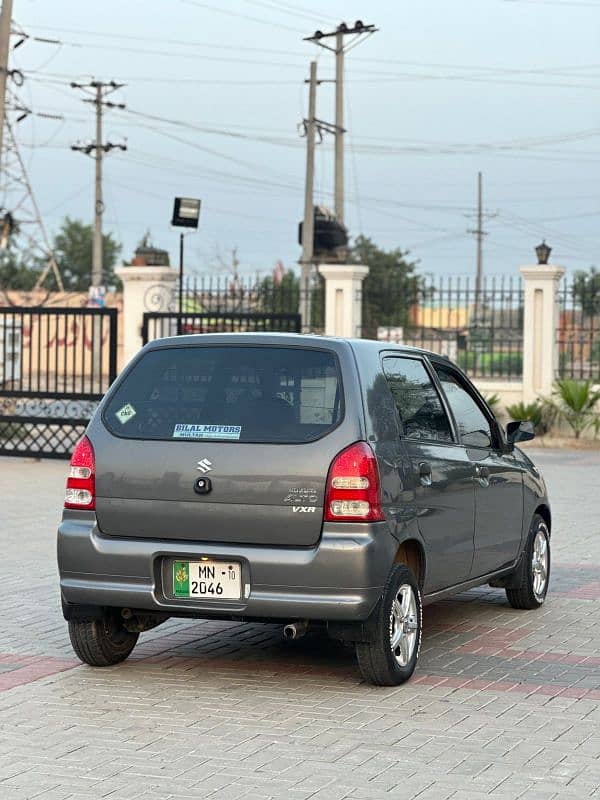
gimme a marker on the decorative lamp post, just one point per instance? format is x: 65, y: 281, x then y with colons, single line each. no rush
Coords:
x: 542, y: 252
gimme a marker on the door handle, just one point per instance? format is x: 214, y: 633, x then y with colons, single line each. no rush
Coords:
x: 482, y: 474
x: 425, y: 473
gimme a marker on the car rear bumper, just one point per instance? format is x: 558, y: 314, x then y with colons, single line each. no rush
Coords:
x: 341, y: 578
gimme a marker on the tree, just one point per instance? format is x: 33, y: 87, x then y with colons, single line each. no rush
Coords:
x: 17, y: 270
x: 390, y: 289
x: 280, y: 297
x: 586, y: 291
x: 73, y: 246
x: 73, y: 252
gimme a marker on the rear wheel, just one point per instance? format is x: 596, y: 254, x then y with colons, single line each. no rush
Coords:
x: 534, y: 570
x: 390, y: 657
x: 103, y: 642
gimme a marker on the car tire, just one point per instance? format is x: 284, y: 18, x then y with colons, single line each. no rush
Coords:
x: 390, y: 656
x: 103, y: 642
x: 534, y: 570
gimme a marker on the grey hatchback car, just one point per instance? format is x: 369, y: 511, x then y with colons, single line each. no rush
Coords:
x: 295, y: 479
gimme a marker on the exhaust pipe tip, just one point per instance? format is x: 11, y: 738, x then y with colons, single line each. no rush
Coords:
x: 295, y: 630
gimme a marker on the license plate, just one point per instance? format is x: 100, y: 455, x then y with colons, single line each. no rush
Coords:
x: 213, y: 580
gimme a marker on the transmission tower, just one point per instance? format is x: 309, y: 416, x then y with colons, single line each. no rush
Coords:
x: 20, y: 218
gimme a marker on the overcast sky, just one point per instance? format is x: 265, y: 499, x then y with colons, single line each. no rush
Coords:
x: 442, y: 90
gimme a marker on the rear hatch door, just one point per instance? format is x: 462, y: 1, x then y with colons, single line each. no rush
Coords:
x: 257, y: 426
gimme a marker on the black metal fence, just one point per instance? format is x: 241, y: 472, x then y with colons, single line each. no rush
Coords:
x: 224, y: 294
x: 480, y: 329
x: 158, y: 324
x: 578, y: 333
x: 56, y: 365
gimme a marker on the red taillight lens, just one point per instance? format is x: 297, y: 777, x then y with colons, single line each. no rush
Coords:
x: 352, y: 493
x: 81, y: 483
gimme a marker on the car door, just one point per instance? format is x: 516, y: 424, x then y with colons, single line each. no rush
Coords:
x: 497, y: 474
x: 439, y: 483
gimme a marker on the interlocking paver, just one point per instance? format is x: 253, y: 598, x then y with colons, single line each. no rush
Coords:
x: 504, y: 704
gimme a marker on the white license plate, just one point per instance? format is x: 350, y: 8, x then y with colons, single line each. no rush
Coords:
x: 213, y: 580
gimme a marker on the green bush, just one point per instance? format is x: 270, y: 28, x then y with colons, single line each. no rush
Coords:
x: 491, y: 363
x: 535, y: 412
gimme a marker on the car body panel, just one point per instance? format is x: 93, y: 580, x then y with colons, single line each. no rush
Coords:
x: 295, y: 568
x: 498, y: 510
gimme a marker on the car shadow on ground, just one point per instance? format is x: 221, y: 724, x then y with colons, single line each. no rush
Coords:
x: 448, y: 625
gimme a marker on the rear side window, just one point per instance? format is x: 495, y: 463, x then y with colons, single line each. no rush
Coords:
x: 420, y: 409
x: 218, y: 393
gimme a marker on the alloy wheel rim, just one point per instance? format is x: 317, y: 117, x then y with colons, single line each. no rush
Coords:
x: 539, y: 564
x: 404, y: 625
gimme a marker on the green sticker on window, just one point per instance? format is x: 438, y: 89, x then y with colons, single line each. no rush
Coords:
x: 125, y: 414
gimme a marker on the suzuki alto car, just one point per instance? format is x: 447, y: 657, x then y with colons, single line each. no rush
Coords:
x: 295, y: 479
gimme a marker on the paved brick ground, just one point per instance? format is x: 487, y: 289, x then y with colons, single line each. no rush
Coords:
x: 504, y: 705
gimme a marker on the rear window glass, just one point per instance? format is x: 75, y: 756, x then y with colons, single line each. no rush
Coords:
x: 246, y: 394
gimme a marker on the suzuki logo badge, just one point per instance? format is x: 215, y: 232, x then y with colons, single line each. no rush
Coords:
x: 204, y: 466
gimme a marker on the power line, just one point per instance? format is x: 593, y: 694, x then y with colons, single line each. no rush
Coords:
x: 229, y: 13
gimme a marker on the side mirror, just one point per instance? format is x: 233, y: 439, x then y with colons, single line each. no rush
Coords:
x: 522, y: 431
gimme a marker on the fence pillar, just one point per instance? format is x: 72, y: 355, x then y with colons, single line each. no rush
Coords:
x: 343, y: 298
x: 144, y: 289
x: 540, y: 325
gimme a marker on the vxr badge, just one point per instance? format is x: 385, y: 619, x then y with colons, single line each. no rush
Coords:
x: 204, y: 466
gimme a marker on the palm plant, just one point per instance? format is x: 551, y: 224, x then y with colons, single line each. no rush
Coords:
x: 575, y: 402
x: 493, y: 401
x: 535, y: 412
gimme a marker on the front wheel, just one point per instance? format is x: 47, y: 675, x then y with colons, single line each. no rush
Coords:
x: 390, y: 657
x: 534, y: 570
x: 103, y: 642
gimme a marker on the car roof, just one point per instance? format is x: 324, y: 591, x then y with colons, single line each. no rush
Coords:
x: 293, y: 339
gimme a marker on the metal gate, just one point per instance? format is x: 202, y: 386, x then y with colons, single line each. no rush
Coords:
x: 158, y: 324
x: 56, y: 365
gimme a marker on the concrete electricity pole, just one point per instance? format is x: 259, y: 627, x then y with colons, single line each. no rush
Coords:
x: 356, y: 31
x: 479, y: 232
x: 308, y: 225
x: 5, y: 22
x: 339, y: 127
x: 99, y: 90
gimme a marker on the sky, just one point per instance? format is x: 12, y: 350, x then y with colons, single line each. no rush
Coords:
x: 215, y: 92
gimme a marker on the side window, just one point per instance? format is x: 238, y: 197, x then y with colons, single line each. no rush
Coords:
x: 473, y: 425
x: 422, y: 415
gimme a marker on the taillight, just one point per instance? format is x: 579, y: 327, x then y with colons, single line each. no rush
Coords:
x: 81, y: 484
x: 352, y: 493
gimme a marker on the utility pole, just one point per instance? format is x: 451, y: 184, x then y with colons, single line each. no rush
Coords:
x: 308, y: 226
x: 356, y: 31
x: 5, y: 23
x: 99, y: 90
x: 339, y: 128
x: 479, y: 233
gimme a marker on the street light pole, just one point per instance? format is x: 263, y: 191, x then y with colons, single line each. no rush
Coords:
x: 186, y: 214
x: 179, y: 320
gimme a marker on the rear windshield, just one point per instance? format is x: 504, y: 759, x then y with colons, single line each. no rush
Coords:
x: 219, y: 393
